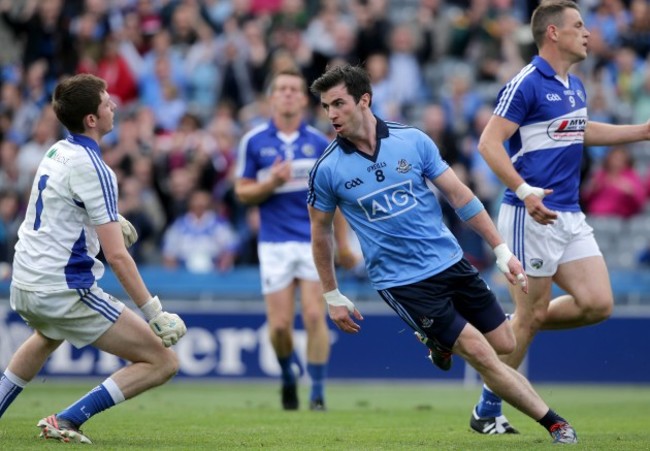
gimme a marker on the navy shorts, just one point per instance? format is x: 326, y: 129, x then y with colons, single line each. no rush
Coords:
x: 440, y: 306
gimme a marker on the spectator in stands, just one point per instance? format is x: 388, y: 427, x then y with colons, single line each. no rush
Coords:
x: 202, y: 240
x: 615, y: 189
x: 11, y: 215
x: 46, y: 33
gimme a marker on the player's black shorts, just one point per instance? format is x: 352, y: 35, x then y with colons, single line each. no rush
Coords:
x: 442, y: 305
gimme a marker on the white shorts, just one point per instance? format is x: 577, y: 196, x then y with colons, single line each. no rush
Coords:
x: 281, y: 263
x: 542, y: 248
x: 77, y: 316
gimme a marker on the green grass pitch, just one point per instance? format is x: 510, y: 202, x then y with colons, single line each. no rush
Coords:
x: 361, y: 416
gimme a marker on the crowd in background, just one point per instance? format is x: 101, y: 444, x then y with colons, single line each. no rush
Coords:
x: 189, y: 78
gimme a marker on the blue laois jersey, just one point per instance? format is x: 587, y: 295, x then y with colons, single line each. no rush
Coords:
x: 284, y: 215
x: 547, y: 148
x: 388, y: 203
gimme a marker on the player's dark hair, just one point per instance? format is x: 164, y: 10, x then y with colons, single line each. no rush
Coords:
x: 354, y: 78
x: 75, y: 98
x: 549, y: 12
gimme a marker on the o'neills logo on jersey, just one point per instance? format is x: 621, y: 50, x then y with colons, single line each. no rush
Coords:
x: 388, y: 202
x: 568, y: 129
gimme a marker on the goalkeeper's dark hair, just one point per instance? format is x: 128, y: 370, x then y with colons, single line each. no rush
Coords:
x: 75, y: 98
x: 355, y: 79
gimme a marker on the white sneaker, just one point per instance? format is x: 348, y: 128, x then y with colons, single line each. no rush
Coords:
x: 62, y: 430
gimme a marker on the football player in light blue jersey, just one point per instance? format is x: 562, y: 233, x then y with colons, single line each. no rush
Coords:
x: 72, y: 211
x: 542, y: 114
x: 273, y: 167
x: 378, y: 173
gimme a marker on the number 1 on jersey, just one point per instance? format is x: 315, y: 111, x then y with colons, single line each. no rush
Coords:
x: 42, y: 183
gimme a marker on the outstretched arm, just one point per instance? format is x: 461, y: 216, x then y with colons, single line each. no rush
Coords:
x: 602, y: 134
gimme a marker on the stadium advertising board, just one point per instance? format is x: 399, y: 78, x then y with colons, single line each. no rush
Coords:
x: 226, y: 345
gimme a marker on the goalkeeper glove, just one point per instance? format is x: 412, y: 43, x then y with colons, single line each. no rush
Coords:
x: 168, y: 326
x: 128, y: 231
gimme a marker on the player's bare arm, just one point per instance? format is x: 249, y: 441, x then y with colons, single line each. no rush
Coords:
x: 602, y: 134
x: 470, y: 210
x: 322, y: 239
x: 253, y: 192
x: 121, y: 262
x: 345, y: 256
x: 497, y: 131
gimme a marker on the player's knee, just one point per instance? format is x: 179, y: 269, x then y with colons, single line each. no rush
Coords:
x: 598, y: 311
x: 313, y: 319
x: 168, y: 366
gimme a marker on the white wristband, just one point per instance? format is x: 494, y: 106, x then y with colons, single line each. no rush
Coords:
x: 524, y: 190
x: 334, y: 298
x: 503, y: 255
x: 151, y: 308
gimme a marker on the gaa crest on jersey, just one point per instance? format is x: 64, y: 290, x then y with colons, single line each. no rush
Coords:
x: 403, y: 166
x: 308, y: 150
x: 388, y: 202
x: 536, y: 263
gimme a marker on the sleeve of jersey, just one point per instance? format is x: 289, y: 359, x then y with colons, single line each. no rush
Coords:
x: 513, y: 100
x: 94, y: 187
x: 245, y: 166
x: 321, y: 195
x: 432, y: 162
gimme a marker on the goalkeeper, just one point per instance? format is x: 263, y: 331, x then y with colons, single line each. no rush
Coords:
x: 72, y: 211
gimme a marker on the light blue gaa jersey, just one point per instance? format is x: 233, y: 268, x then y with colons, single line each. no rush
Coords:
x: 388, y: 203
x: 73, y: 192
x: 547, y: 148
x: 284, y: 215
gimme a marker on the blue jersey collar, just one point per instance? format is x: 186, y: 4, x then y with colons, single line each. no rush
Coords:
x: 85, y: 141
x: 543, y: 66
x: 381, y: 131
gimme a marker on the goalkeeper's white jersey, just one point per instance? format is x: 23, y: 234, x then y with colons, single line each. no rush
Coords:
x: 73, y: 191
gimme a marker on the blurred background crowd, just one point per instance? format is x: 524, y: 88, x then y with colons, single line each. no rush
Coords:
x: 189, y: 78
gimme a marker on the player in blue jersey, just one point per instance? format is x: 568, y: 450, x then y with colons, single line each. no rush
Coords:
x: 542, y: 115
x: 378, y: 173
x: 72, y: 211
x: 273, y: 166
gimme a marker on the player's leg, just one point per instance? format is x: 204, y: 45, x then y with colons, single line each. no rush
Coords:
x: 590, y: 299
x: 318, y: 341
x: 510, y: 385
x: 277, y: 271
x: 280, y: 314
x: 26, y: 362
x: 131, y: 339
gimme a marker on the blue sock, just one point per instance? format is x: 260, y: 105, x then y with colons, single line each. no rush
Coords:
x: 96, y: 400
x: 489, y: 405
x: 10, y: 387
x: 288, y: 377
x: 317, y: 373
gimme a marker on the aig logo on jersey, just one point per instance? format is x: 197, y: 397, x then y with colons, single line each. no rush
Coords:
x: 388, y: 202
